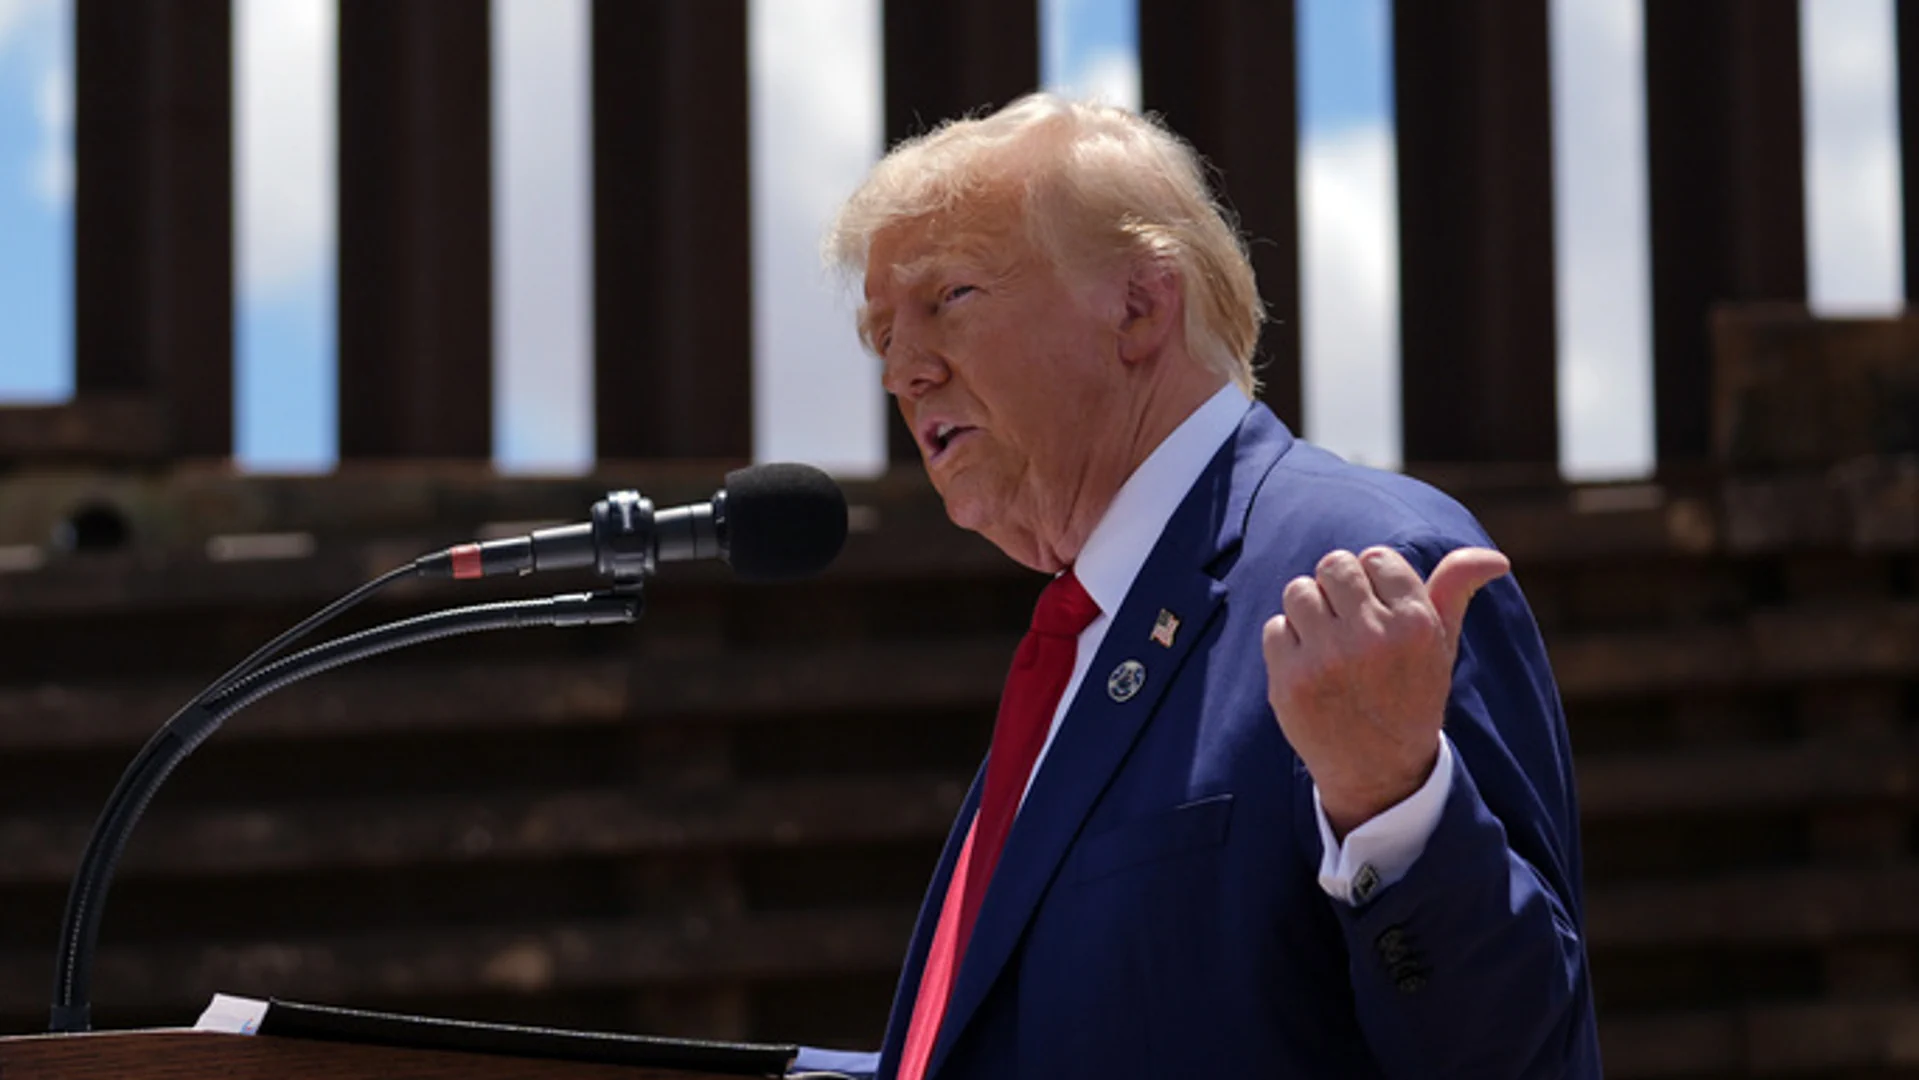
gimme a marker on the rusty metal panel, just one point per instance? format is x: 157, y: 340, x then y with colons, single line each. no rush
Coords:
x: 153, y: 213
x: 93, y: 428
x: 690, y: 834
x: 673, y: 364
x: 942, y: 62
x: 1472, y: 97
x: 720, y: 822
x: 1793, y: 390
x: 1727, y: 189
x: 1224, y: 74
x: 416, y: 250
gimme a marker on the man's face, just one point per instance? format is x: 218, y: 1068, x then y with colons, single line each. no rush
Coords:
x: 1008, y: 377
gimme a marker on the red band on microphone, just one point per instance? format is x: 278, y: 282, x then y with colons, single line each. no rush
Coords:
x: 466, y: 561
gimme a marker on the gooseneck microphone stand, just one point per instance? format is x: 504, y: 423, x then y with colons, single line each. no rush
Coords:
x: 192, y: 725
x: 770, y: 522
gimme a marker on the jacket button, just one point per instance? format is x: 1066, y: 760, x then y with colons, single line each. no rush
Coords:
x: 1412, y: 982
x: 1391, y: 944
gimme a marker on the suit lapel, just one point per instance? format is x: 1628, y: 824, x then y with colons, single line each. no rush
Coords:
x: 1105, y: 719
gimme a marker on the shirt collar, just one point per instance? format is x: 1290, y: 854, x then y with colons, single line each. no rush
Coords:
x: 1126, y: 533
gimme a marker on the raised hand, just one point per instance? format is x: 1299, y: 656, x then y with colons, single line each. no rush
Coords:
x: 1358, y: 669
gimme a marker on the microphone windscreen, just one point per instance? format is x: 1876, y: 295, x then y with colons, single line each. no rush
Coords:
x: 783, y: 521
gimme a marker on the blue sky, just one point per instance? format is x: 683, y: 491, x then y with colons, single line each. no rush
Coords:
x: 36, y: 221
x: 283, y: 324
x: 283, y: 332
x: 1345, y: 64
x: 1345, y: 76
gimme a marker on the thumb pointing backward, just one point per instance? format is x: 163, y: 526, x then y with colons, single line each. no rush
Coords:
x: 1463, y: 572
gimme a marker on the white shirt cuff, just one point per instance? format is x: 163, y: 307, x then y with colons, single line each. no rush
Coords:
x: 1383, y: 849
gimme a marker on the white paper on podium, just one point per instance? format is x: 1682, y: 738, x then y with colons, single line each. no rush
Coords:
x: 233, y: 1015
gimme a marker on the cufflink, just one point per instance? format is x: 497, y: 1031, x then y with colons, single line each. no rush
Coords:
x: 1365, y: 883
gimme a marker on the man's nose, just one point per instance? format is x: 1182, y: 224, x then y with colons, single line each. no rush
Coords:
x: 912, y: 369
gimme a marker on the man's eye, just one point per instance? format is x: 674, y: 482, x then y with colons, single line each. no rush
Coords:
x: 955, y: 292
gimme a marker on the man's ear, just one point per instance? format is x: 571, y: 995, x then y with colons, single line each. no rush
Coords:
x: 1153, y: 311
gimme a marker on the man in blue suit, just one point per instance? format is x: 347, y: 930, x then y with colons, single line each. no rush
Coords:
x: 1298, y: 799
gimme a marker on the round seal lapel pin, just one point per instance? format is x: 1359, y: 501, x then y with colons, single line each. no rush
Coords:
x: 1126, y: 680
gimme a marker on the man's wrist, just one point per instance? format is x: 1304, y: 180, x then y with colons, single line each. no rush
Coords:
x: 1382, y: 849
x: 1347, y: 810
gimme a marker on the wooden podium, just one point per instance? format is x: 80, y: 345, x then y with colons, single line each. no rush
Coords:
x: 194, y: 1055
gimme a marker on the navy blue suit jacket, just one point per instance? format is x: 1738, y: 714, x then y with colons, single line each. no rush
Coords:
x: 1156, y: 911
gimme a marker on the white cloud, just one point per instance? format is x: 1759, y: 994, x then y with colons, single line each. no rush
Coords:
x: 1111, y: 76
x: 1603, y: 246
x: 543, y: 250
x: 1349, y: 242
x: 1350, y: 279
x: 53, y: 161
x: 1349, y: 286
x: 284, y: 145
x: 18, y: 17
x: 34, y: 45
x: 1055, y: 38
x: 1602, y: 252
x: 1349, y: 292
x: 815, y: 130
x: 1071, y: 65
x: 1852, y: 156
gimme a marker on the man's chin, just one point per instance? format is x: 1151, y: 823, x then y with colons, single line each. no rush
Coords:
x: 965, y: 512
x: 969, y: 508
x: 984, y: 517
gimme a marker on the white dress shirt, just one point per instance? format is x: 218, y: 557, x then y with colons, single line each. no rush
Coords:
x: 1378, y: 852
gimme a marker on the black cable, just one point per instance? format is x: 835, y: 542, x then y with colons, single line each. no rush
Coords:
x: 159, y: 756
x: 192, y: 725
x: 306, y: 626
x: 571, y: 609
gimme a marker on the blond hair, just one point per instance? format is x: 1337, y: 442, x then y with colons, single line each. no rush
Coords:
x: 1095, y: 184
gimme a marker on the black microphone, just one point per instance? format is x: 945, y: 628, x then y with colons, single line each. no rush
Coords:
x: 770, y: 522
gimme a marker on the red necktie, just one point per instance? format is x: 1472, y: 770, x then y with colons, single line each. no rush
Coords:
x: 1041, y: 669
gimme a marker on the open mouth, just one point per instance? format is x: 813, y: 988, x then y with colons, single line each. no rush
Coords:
x: 941, y: 436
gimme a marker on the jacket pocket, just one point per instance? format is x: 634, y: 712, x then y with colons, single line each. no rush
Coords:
x: 1194, y: 826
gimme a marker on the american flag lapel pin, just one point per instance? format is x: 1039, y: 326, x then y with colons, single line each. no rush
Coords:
x: 1164, y: 628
